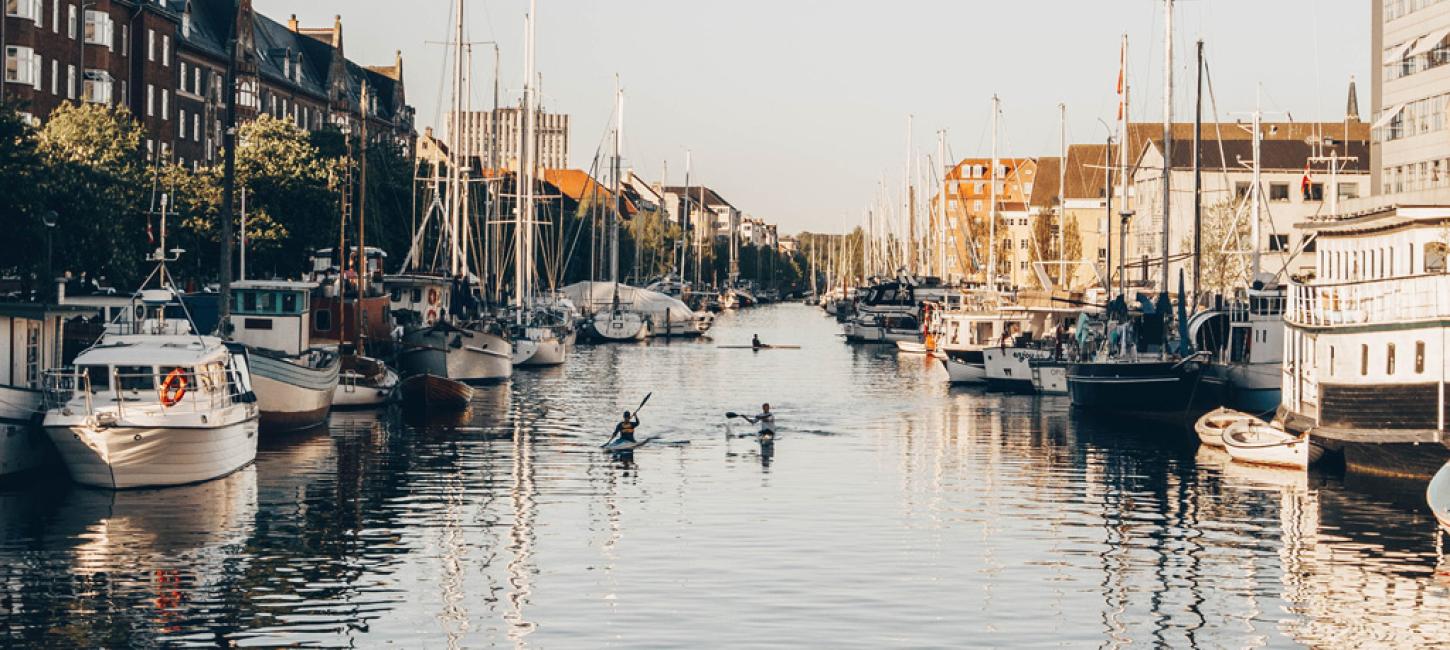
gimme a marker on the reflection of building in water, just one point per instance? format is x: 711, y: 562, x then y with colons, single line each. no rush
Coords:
x: 1360, y: 583
x: 521, y: 533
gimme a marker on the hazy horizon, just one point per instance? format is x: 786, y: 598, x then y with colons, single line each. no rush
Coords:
x: 795, y: 111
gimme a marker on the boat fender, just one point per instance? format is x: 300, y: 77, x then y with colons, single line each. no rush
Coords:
x: 173, y: 388
x: 432, y: 317
x: 433, y: 295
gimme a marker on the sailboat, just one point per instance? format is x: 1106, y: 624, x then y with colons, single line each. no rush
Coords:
x: 540, y: 334
x: 436, y: 297
x: 1138, y: 366
x: 618, y: 321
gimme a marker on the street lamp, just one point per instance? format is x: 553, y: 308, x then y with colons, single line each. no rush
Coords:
x: 49, y: 219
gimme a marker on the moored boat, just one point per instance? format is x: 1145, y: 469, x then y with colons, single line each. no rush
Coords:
x: 427, y: 391
x: 36, y: 333
x: 364, y: 382
x: 294, y: 380
x: 1265, y: 444
x: 1438, y: 496
x: 1211, y: 426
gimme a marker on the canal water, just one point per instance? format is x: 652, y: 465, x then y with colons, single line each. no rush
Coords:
x: 892, y: 511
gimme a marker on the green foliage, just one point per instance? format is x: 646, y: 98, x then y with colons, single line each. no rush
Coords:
x: 21, y: 199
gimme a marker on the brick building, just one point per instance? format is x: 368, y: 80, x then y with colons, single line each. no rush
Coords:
x: 166, y: 60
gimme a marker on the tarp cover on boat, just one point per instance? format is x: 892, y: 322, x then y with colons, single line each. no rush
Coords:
x: 594, y: 296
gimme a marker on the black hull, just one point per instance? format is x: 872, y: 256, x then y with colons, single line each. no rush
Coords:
x: 1403, y: 460
x: 1149, y: 387
x: 1019, y: 386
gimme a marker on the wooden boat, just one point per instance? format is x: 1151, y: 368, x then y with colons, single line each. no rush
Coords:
x: 910, y: 347
x: 364, y: 382
x: 435, y: 392
x: 1265, y: 444
x: 1213, y: 424
x: 1438, y: 494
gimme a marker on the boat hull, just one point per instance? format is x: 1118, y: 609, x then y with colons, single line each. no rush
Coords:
x: 1049, y: 377
x: 292, y: 396
x: 356, y: 392
x: 1261, y: 444
x: 122, y: 457
x: 1010, y: 369
x: 1255, y: 387
x: 1161, y: 387
x: 1437, y: 493
x: 430, y: 391
x: 619, y: 326
x: 23, y: 446
x: 965, y: 366
x: 464, y: 355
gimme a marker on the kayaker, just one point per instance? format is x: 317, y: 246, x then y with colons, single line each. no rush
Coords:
x: 624, y: 431
x: 755, y: 341
x: 765, y: 419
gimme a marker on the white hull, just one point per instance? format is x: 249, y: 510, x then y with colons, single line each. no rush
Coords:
x: 1438, y: 495
x: 1011, y: 366
x: 910, y: 347
x: 357, y: 392
x: 23, y: 445
x: 477, y: 357
x: 1267, y: 445
x: 1050, y: 379
x: 620, y: 326
x: 965, y: 373
x: 544, y: 350
x: 292, y: 397
x: 130, y: 457
x: 1212, y: 425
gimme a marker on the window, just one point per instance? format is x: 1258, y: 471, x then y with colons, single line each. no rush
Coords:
x: 1364, y: 359
x: 31, y: 9
x: 1278, y: 191
x: 1419, y: 357
x: 196, y: 80
x: 150, y: 45
x: 150, y: 100
x: 165, y: 50
x: 1435, y: 257
x: 1349, y: 190
x: 98, y: 85
x: 1390, y: 359
x: 55, y: 16
x: 99, y: 28
x: 196, y: 127
x: 1331, y: 361
x: 20, y: 64
x: 37, y: 68
x: 165, y: 110
x: 1024, y: 244
x: 1314, y: 192
x: 70, y: 81
x: 125, y: 40
x: 135, y: 378
x: 181, y: 123
x: 71, y: 21
x: 1241, y: 190
x: 182, y: 78
x: 1278, y: 243
x: 54, y: 77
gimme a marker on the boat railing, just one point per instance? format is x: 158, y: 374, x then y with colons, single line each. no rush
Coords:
x: 205, y: 392
x: 1369, y: 302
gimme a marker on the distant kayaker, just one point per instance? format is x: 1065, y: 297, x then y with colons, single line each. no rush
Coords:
x: 765, y: 419
x: 755, y: 341
x: 624, y: 431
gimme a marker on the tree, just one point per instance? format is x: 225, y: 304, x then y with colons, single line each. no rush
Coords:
x: 21, y: 172
x: 1072, y: 250
x: 93, y: 153
x: 1226, y: 234
x: 1044, y: 249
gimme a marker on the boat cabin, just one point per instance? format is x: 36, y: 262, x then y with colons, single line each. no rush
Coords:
x: 32, y: 341
x: 419, y: 300
x: 273, y: 315
x: 191, y: 372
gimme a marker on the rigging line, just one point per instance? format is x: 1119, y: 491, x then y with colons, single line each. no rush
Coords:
x: 443, y: 74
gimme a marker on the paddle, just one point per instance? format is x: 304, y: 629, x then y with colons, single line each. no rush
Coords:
x: 636, y: 414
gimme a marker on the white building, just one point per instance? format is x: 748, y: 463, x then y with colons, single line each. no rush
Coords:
x: 552, y: 133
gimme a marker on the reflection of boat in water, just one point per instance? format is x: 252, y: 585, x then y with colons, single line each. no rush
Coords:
x: 182, y: 529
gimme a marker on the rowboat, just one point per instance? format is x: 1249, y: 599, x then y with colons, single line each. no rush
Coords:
x: 434, y: 392
x: 1438, y: 494
x: 1211, y: 427
x: 1265, y: 444
x: 910, y: 347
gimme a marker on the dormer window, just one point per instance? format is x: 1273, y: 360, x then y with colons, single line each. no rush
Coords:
x: 186, y: 23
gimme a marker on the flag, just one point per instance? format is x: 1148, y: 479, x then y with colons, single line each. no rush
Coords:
x: 150, y: 237
x: 1305, y: 182
x: 1122, y: 67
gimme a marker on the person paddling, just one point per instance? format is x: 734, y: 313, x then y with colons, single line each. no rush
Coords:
x: 765, y: 419
x: 755, y: 342
x: 624, y: 431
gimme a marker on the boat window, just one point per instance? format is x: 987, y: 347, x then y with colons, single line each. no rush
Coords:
x: 1435, y: 257
x: 100, y: 377
x: 1419, y: 357
x: 1364, y: 359
x: 289, y: 303
x: 1390, y: 359
x: 135, y: 378
x: 249, y: 301
x: 397, y: 295
x: 322, y: 320
x: 266, y: 302
x: 417, y: 294
x: 1331, y: 361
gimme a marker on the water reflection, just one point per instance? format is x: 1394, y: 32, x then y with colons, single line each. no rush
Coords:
x: 892, y: 511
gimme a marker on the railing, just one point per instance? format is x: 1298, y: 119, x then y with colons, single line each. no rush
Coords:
x: 206, y: 392
x: 1369, y: 302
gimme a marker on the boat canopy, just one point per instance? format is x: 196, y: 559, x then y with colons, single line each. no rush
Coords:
x: 659, y: 307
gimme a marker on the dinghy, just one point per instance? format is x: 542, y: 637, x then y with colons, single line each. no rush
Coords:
x: 427, y: 391
x: 1265, y: 444
x: 1438, y: 494
x: 910, y: 347
x: 1213, y: 424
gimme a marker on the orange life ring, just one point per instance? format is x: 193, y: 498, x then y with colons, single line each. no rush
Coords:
x: 432, y: 317
x: 433, y: 295
x: 173, y: 388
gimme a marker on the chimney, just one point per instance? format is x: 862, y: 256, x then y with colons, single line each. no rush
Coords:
x: 292, y: 24
x: 1351, y: 111
x: 337, y: 31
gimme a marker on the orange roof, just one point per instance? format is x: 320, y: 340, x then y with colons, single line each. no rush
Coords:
x: 580, y: 186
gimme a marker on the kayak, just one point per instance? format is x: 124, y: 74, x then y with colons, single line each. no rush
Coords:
x: 760, y: 347
x: 620, y: 445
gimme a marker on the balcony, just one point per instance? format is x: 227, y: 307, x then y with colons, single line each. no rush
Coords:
x: 1369, y: 302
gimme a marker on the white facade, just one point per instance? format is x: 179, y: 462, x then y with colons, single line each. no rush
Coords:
x: 478, y: 134
x: 1410, y: 60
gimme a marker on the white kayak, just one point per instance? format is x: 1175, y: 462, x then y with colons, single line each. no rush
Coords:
x: 1213, y: 424
x: 1265, y: 444
x: 620, y: 445
x: 1438, y: 494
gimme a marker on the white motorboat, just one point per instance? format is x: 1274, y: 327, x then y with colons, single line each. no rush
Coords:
x: 1265, y: 444
x: 294, y: 381
x: 364, y: 382
x: 620, y: 325
x: 143, y: 409
x: 540, y: 346
x: 1212, y: 425
x: 1010, y: 368
x: 1438, y: 495
x: 911, y: 347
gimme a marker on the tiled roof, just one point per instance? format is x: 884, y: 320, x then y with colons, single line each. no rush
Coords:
x: 695, y: 192
x: 1274, y: 155
x: 1044, y: 186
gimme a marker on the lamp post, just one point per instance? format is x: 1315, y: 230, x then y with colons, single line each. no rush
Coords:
x: 49, y: 219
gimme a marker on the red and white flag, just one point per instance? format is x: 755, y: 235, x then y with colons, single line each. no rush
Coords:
x: 1122, y: 69
x: 1305, y: 182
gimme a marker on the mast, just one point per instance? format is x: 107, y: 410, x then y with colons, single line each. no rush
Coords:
x: 941, y: 207
x: 1124, y: 141
x: 1198, y: 177
x: 524, y: 223
x: 362, y: 202
x: 1255, y: 256
x: 1062, y: 195
x: 1167, y: 139
x: 992, y: 208
x: 908, y: 198
x: 614, y: 180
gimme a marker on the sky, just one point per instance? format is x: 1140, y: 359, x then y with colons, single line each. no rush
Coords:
x: 796, y: 110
